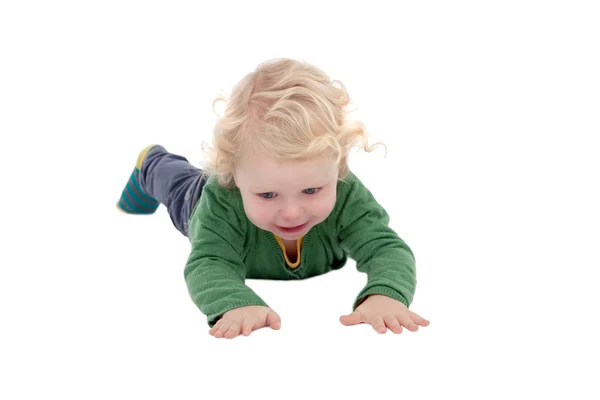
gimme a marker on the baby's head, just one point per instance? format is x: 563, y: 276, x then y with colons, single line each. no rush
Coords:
x: 284, y: 142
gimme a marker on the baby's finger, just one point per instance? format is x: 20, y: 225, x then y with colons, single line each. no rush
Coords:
x: 407, y: 322
x: 378, y: 325
x: 273, y: 320
x: 215, y: 327
x: 354, y: 318
x: 247, y: 326
x: 418, y: 319
x: 223, y: 328
x: 392, y: 324
x: 233, y: 330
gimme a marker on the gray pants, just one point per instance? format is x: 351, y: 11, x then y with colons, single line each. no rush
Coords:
x: 174, y: 182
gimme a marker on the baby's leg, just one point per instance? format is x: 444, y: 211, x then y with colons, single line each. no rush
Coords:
x: 164, y: 178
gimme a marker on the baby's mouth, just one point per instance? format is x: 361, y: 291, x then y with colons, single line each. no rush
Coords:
x: 292, y: 229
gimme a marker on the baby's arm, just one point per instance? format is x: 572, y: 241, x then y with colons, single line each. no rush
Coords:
x: 215, y: 276
x: 388, y: 261
x: 366, y: 237
x: 215, y: 271
x: 216, y: 285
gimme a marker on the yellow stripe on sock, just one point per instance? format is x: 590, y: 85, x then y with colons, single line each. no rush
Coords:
x: 143, y: 155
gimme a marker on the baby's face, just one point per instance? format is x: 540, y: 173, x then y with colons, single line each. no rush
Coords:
x: 286, y: 197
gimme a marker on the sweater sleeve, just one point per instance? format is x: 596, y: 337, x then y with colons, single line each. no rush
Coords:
x: 365, y: 236
x: 215, y: 272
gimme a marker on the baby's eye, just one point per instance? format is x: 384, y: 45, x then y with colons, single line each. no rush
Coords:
x: 267, y: 195
x: 310, y: 191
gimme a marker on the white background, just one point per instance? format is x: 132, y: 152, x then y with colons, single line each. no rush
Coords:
x: 491, y: 118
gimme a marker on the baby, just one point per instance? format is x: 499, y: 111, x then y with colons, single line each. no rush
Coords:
x: 276, y: 200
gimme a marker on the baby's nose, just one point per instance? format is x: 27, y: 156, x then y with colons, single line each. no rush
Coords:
x: 291, y: 213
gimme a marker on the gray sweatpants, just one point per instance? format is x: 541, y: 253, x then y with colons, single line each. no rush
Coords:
x: 174, y: 182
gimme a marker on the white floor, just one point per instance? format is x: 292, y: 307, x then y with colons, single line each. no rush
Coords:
x: 490, y: 115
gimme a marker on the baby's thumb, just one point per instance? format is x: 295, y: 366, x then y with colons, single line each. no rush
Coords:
x: 351, y: 319
x: 273, y: 320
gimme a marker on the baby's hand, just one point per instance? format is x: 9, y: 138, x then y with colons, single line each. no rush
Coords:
x: 245, y: 320
x: 384, y: 313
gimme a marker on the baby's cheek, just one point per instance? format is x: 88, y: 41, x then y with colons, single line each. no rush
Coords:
x: 260, y: 216
x: 264, y: 216
x: 325, y: 207
x: 252, y: 212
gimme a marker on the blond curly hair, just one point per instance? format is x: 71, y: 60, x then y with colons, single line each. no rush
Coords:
x: 292, y: 110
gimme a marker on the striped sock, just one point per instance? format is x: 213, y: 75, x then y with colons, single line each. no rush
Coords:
x: 133, y: 200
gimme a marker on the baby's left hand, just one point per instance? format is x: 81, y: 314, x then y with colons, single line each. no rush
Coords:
x: 384, y: 313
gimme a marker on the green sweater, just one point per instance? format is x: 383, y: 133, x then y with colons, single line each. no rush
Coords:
x: 227, y: 249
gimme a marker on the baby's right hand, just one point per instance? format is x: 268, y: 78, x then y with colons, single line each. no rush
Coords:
x: 245, y: 320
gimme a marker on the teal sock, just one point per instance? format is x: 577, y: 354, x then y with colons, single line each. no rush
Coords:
x: 133, y: 200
